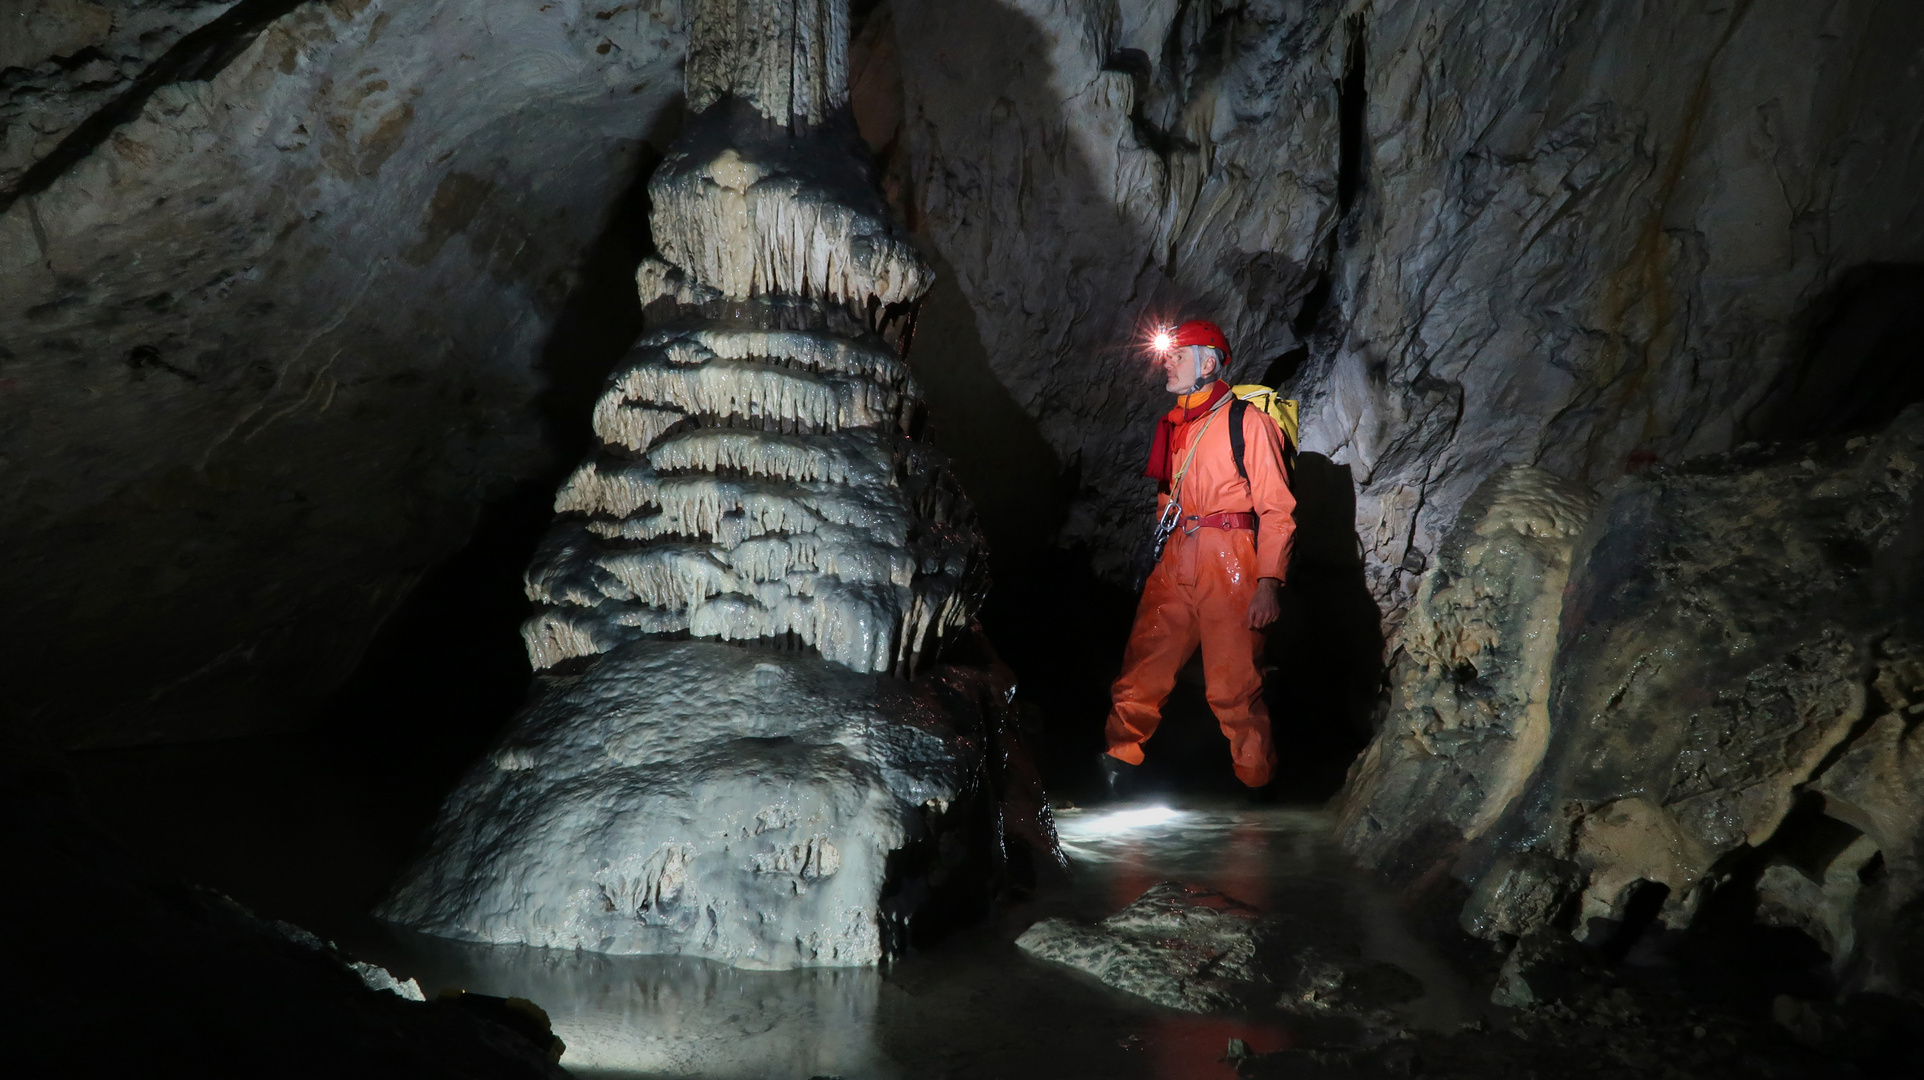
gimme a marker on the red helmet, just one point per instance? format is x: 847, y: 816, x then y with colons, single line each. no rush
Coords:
x: 1198, y: 332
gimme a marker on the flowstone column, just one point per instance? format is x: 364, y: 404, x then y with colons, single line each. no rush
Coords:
x: 742, y: 744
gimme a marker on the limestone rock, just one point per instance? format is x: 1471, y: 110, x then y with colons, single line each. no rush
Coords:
x: 1470, y: 718
x: 747, y: 212
x: 1824, y: 909
x: 1541, y: 969
x: 1521, y: 893
x: 761, y: 475
x: 1731, y: 633
x: 790, y: 61
x: 1178, y: 945
x: 698, y: 799
x: 1874, y: 888
x: 1713, y: 657
x: 64, y: 60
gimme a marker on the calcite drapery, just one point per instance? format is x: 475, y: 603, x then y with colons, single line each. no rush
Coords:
x: 759, y: 479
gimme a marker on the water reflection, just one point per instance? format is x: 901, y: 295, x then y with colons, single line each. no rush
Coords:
x: 972, y: 1007
x: 666, y: 1016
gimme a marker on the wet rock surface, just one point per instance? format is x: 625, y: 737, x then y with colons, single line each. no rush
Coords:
x: 1190, y: 947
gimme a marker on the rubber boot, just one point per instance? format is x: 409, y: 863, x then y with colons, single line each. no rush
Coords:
x: 1119, y: 778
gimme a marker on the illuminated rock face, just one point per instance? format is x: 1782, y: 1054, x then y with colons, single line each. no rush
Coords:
x: 1470, y: 720
x: 758, y: 481
x: 1460, y: 251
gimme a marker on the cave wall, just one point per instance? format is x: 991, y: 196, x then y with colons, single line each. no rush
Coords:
x: 278, y: 280
x: 1585, y: 236
x: 275, y: 281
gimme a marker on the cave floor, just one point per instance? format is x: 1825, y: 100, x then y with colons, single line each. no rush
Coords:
x: 294, y: 831
x: 310, y: 830
x: 972, y: 1005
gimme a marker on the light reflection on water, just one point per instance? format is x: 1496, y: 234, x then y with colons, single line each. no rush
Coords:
x: 677, y: 1016
x: 974, y: 1005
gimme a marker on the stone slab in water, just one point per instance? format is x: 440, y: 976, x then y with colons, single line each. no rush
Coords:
x: 1195, y: 949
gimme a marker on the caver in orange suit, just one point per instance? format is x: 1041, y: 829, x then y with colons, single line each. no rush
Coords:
x: 1199, y: 592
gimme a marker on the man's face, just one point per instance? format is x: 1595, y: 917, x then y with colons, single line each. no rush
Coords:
x: 1190, y: 366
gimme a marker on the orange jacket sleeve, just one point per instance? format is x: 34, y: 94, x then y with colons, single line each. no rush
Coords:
x: 1269, y: 490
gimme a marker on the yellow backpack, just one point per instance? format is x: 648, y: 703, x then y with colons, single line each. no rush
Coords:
x: 1278, y: 408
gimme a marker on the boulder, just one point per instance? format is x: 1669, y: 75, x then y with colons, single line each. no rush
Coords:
x: 1178, y: 945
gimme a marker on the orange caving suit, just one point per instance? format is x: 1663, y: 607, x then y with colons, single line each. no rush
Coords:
x: 1199, y: 592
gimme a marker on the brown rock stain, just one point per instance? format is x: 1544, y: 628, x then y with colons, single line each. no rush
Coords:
x: 1638, y: 306
x: 456, y: 200
x: 135, y: 153
x: 355, y: 99
x: 381, y: 143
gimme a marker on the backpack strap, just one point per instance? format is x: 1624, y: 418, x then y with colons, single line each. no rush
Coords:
x: 1237, y: 409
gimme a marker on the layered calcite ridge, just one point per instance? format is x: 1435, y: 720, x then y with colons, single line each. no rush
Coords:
x: 760, y: 474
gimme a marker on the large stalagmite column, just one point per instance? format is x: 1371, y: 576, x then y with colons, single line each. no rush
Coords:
x: 759, y: 479
x: 726, y: 754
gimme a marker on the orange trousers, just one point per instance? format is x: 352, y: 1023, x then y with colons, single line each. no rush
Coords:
x: 1197, y: 595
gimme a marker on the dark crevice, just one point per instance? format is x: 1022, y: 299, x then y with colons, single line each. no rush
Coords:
x: 1640, y: 913
x: 1352, y: 102
x: 1863, y: 360
x: 199, y: 56
x: 1136, y: 64
x: 1309, y: 318
x: 600, y: 320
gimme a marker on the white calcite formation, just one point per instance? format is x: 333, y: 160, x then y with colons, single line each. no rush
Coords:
x: 759, y: 476
x: 759, y: 480
x: 688, y: 797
